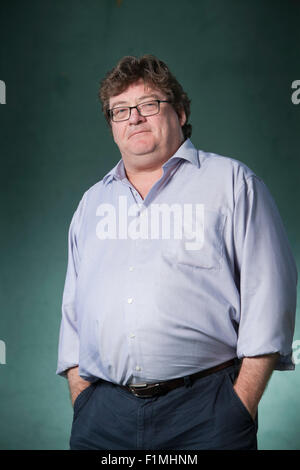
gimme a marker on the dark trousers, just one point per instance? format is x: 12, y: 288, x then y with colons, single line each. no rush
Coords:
x: 205, y: 415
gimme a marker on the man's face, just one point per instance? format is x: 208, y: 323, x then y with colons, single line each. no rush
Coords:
x: 146, y: 142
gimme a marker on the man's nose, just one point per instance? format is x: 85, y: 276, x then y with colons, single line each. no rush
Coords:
x: 135, y: 116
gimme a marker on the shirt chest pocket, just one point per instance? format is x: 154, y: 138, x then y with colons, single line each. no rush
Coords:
x: 201, y: 245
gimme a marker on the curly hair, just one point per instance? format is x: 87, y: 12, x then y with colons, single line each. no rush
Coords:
x: 155, y: 73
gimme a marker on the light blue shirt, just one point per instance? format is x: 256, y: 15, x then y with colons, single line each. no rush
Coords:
x: 197, y: 273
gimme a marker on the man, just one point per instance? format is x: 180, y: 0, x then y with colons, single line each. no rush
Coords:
x: 180, y: 292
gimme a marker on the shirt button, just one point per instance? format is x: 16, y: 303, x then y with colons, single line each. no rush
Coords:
x: 130, y: 268
x: 132, y: 335
x: 138, y: 368
x: 130, y: 300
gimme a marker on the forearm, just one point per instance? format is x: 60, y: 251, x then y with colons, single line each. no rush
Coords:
x: 252, y: 380
x: 76, y: 383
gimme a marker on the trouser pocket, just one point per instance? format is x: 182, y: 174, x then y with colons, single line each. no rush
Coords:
x: 82, y: 399
x: 230, y: 379
x: 234, y: 427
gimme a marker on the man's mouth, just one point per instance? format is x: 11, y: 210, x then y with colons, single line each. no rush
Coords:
x: 137, y: 132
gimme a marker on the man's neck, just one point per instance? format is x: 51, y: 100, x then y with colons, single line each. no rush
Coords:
x: 144, y: 180
x: 144, y: 177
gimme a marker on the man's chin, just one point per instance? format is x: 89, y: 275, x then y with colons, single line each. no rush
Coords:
x: 142, y: 150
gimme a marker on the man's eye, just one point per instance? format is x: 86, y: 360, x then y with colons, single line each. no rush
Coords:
x: 148, y: 106
x: 119, y: 112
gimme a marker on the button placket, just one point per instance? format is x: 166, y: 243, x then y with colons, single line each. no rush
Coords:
x: 131, y: 313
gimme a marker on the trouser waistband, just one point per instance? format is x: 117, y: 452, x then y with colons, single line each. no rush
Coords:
x: 145, y: 390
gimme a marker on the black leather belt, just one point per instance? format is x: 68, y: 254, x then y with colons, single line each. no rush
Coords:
x: 144, y: 390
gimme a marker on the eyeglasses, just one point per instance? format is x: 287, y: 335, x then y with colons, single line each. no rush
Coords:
x: 123, y: 113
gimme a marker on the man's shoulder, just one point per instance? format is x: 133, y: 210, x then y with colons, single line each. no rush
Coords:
x: 91, y: 195
x: 223, y: 163
x: 226, y: 170
x: 104, y: 183
x: 99, y: 186
x: 96, y: 187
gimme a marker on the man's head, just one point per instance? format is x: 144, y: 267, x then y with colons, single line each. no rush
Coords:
x: 137, y: 81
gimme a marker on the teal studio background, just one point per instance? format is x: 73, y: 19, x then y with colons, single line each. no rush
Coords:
x: 236, y: 59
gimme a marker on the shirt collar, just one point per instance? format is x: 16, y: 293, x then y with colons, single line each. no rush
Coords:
x: 186, y: 151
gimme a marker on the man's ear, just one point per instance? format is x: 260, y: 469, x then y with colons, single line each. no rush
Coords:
x: 182, y: 117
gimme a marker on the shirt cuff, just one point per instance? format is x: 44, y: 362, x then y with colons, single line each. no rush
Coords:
x: 284, y: 362
x: 62, y: 369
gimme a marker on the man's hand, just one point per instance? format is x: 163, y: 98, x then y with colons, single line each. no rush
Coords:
x: 76, y: 383
x: 253, y: 378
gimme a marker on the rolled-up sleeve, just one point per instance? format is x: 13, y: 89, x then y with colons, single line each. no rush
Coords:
x: 68, y: 348
x: 268, y: 276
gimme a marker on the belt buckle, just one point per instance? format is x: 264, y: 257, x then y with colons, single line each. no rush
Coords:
x: 134, y: 388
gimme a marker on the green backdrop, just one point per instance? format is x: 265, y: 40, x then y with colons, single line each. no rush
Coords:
x: 237, y: 61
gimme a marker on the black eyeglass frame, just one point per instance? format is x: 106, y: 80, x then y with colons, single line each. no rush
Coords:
x: 110, y: 114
